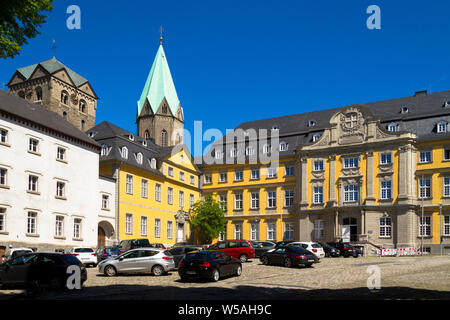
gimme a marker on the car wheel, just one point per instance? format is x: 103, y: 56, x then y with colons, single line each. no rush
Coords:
x: 243, y: 258
x: 238, y: 270
x: 157, y: 270
x: 215, y: 275
x: 288, y: 263
x: 265, y: 260
x: 110, y: 271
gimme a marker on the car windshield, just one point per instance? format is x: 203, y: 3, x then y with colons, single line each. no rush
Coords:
x: 19, y: 252
x: 202, y: 255
x: 81, y: 250
x: 70, y: 259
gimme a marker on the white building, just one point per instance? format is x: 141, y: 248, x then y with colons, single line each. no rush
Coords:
x: 49, y: 180
x: 107, y: 214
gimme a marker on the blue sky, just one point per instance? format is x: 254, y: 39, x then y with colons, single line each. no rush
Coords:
x: 235, y: 61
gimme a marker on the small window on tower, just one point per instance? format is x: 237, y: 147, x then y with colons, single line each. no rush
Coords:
x: 164, y: 109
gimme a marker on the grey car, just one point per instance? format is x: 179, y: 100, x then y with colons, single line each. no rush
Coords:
x: 148, y: 260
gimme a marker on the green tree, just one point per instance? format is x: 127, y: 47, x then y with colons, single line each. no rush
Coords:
x: 207, y: 219
x: 19, y: 21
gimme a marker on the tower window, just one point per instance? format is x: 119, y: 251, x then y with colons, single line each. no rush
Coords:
x: 64, y: 97
x: 38, y: 93
x: 147, y: 134
x: 164, y: 138
x: 82, y: 106
x: 164, y: 109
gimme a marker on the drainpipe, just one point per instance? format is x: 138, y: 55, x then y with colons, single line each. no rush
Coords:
x: 118, y: 207
x: 440, y: 229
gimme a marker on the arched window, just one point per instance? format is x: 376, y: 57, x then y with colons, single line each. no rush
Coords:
x: 38, y: 93
x: 146, y: 135
x: 139, y: 158
x: 164, y: 138
x: 82, y: 106
x: 164, y: 109
x: 316, y: 137
x: 64, y: 97
x: 104, y: 150
x: 393, y: 127
x: 153, y: 163
x: 124, y: 152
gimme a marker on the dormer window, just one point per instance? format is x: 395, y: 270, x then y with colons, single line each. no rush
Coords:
x: 393, y: 127
x: 266, y: 148
x: 275, y: 128
x: 316, y: 137
x: 104, y: 151
x: 283, y: 146
x: 447, y: 104
x: 249, y: 151
x: 153, y: 163
x: 144, y: 143
x: 139, y: 158
x: 442, y: 127
x: 233, y: 153
x: 124, y: 152
x: 218, y: 154
x: 311, y: 123
x: 405, y: 109
x: 92, y: 134
x: 131, y: 137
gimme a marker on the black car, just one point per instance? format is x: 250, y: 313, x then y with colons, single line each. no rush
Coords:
x: 126, y: 245
x: 208, y: 264
x: 329, y: 250
x: 345, y: 249
x: 289, y: 256
x: 39, y: 269
x: 283, y: 243
x: 107, y: 253
x: 178, y: 253
x: 261, y: 247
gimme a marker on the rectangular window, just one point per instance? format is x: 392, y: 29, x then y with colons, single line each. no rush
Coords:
x: 386, y: 158
x: 2, y: 219
x: 271, y: 231
x: 59, y: 226
x: 169, y: 229
x: 289, y: 171
x: 181, y: 199
x: 222, y: 177
x: 317, y: 195
x: 158, y: 192
x: 318, y: 165
x: 32, y: 183
x: 446, y: 225
x: 446, y: 155
x: 238, y: 175
x: 288, y: 231
x: 77, y: 228
x: 129, y: 184
x: 105, y: 201
x: 254, y: 231
x: 288, y: 198
x: 170, y: 171
x: 238, y: 201
x: 424, y: 188
x: 223, y: 202
x: 351, y: 193
x: 170, y: 195
x: 3, y: 136
x: 446, y: 186
x: 3, y: 175
x: 60, y: 189
x: 318, y: 229
x: 144, y: 226
x: 271, y: 199
x: 386, y: 190
x: 207, y: 179
x: 238, y: 231
x: 271, y: 172
x: 181, y: 175
x: 425, y: 226
x: 129, y: 223
x: 32, y: 223
x: 385, y: 227
x: 33, y: 145
x: 192, y: 179
x: 254, y: 201
x: 144, y: 188
x: 191, y: 200
x: 61, y: 154
x: 351, y: 163
x: 425, y: 157
x: 255, y: 174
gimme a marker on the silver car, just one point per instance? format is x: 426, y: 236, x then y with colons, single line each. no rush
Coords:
x: 156, y: 261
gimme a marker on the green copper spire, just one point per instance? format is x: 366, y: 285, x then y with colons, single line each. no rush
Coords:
x: 159, y: 85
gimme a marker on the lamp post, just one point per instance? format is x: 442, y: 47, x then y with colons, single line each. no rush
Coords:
x: 440, y: 228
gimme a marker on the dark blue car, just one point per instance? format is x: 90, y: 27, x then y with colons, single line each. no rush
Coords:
x: 107, y: 253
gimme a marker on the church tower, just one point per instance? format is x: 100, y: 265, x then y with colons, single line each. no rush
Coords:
x: 159, y: 113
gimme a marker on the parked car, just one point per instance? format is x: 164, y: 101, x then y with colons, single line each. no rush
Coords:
x: 209, y: 264
x: 150, y: 260
x: 181, y: 244
x: 15, y: 252
x: 329, y: 250
x: 313, y: 247
x: 157, y: 245
x: 261, y: 247
x: 178, y: 253
x: 107, y: 253
x: 130, y: 244
x: 345, y: 248
x: 39, y: 269
x: 239, y: 249
x: 87, y: 256
x: 289, y: 256
x: 283, y: 243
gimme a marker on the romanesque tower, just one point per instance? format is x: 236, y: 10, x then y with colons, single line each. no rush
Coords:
x: 59, y: 89
x: 159, y: 113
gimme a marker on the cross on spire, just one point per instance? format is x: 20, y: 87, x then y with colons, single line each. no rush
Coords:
x: 160, y: 34
x: 54, y: 48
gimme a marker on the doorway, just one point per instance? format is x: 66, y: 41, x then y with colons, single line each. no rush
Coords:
x: 180, y: 232
x: 349, y: 230
x: 101, y: 238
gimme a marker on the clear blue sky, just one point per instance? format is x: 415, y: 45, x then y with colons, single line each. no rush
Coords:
x: 235, y: 61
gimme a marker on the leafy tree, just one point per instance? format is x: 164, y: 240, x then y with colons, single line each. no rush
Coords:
x: 207, y: 219
x: 19, y: 20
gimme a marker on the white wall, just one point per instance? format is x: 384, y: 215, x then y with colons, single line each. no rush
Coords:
x: 80, y: 174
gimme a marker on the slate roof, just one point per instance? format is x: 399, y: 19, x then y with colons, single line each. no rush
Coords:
x: 425, y: 110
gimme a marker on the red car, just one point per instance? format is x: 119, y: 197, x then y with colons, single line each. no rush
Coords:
x: 239, y: 249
